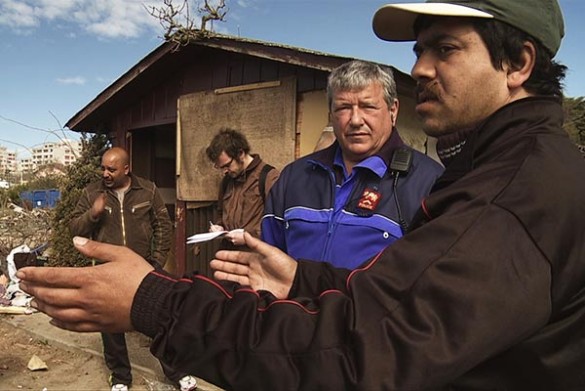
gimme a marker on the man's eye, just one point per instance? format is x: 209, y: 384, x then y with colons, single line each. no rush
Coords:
x: 417, y: 50
x: 444, y: 49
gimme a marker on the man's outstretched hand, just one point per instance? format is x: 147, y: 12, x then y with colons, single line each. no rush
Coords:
x: 97, y: 298
x: 264, y: 268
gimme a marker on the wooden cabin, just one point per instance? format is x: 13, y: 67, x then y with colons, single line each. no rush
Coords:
x: 166, y: 108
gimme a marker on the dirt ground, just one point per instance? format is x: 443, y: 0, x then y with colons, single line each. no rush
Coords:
x: 67, y: 370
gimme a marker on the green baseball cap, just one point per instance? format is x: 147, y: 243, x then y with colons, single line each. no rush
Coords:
x: 541, y: 19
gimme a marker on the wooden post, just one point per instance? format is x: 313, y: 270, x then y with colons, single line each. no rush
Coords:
x: 180, y: 237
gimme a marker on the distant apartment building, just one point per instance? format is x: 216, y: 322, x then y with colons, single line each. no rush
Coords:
x: 8, y: 163
x: 64, y: 152
x: 25, y: 165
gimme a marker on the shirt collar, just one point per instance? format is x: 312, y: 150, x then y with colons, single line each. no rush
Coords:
x: 331, y: 156
x: 374, y: 163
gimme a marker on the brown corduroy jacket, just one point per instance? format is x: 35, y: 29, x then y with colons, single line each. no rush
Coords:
x: 142, y: 225
x: 240, y: 203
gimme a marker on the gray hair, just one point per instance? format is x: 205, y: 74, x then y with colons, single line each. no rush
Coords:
x: 357, y: 75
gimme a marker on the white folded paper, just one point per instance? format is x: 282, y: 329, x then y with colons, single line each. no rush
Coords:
x: 207, y: 236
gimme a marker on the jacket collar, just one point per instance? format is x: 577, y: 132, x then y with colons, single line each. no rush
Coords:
x: 524, y: 117
x: 251, y: 167
x: 134, y: 183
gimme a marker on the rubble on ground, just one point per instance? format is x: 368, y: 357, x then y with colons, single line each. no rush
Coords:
x: 21, y: 231
x: 19, y: 226
x: 36, y: 364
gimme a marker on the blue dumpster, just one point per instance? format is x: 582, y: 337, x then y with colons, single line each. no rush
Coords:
x: 46, y: 198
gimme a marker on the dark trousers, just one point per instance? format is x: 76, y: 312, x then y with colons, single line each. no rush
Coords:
x: 116, y: 356
x: 170, y: 373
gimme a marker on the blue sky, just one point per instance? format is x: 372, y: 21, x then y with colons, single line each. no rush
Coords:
x: 57, y: 55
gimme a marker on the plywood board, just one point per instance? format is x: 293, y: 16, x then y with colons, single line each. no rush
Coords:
x: 265, y: 113
x: 313, y: 118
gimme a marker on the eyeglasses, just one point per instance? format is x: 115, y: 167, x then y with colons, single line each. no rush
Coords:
x: 225, y: 166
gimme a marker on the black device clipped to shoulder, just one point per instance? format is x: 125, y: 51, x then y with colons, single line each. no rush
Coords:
x: 401, y: 161
x: 400, y: 164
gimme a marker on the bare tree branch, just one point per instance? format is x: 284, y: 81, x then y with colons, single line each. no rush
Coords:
x: 179, y: 25
x: 210, y: 13
x: 58, y: 133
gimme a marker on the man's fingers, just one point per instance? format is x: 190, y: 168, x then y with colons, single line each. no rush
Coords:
x: 222, y: 276
x: 229, y: 267
x: 35, y: 277
x: 81, y: 327
x: 65, y: 314
x: 102, y: 251
x: 233, y: 256
x: 215, y: 228
x: 87, y: 326
x: 52, y: 296
x: 258, y: 245
x: 68, y: 317
x: 76, y: 318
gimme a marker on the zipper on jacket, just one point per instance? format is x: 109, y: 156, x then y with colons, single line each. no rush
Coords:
x: 331, y: 222
x: 123, y: 221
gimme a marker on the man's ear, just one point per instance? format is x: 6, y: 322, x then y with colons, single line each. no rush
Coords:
x: 394, y: 111
x: 126, y: 169
x: 520, y: 71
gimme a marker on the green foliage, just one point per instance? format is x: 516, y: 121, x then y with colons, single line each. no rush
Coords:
x: 575, y: 119
x: 79, y: 174
x: 53, y: 181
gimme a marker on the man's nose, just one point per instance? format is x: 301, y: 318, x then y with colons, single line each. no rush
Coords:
x: 356, y: 118
x: 423, y: 68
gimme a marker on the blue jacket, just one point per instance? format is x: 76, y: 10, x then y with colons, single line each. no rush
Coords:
x: 313, y: 213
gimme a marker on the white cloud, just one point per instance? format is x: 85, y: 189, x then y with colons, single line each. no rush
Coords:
x: 56, y: 9
x: 18, y: 15
x: 116, y: 18
x: 109, y: 19
x: 78, y: 80
x: 104, y: 18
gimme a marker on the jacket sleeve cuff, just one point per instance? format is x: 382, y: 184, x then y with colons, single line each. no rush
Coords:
x: 294, y: 289
x: 313, y: 278
x: 149, y: 301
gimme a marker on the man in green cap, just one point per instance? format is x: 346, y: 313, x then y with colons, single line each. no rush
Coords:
x: 487, y: 291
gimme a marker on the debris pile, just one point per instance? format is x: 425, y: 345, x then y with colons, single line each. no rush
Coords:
x: 19, y: 226
x: 20, y: 231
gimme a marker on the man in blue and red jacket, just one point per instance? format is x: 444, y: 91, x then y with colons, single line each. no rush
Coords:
x: 358, y: 195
